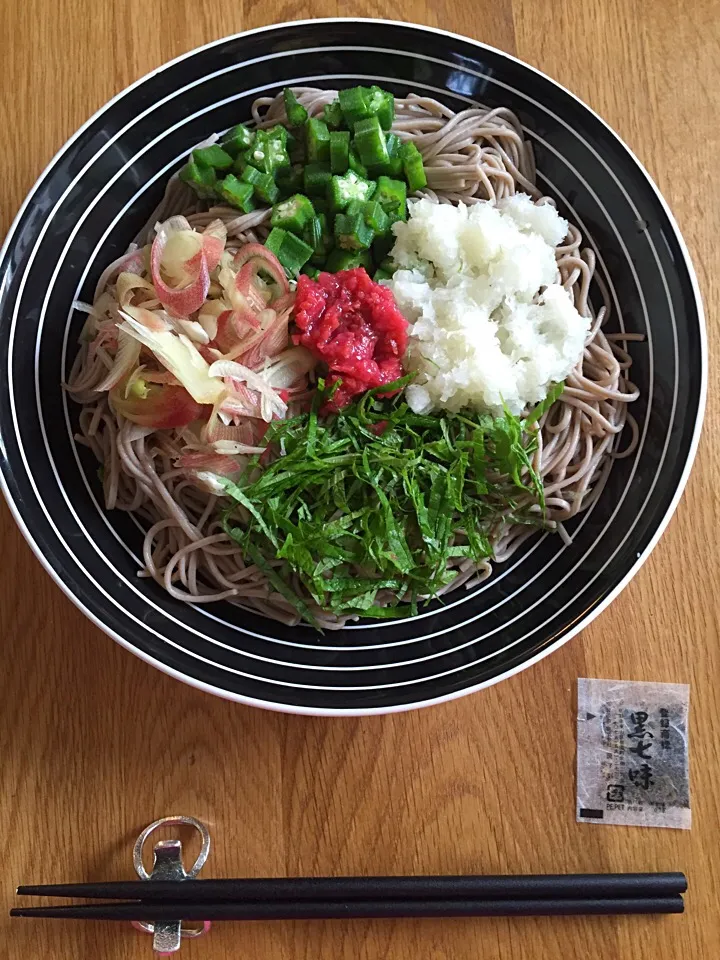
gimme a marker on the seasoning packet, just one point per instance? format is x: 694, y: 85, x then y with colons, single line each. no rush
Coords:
x: 632, y: 762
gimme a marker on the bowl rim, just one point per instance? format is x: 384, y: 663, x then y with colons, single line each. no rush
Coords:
x: 586, y: 620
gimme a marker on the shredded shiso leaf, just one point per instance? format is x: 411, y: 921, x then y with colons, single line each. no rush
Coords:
x: 379, y: 488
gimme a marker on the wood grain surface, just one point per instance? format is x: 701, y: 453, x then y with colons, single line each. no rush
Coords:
x: 95, y: 744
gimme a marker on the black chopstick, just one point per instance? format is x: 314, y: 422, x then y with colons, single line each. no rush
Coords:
x: 550, y: 886
x: 357, y: 909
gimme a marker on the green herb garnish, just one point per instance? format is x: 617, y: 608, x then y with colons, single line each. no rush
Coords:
x: 378, y: 498
x: 554, y: 393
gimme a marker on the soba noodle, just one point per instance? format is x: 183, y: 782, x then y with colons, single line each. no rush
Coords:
x: 477, y: 154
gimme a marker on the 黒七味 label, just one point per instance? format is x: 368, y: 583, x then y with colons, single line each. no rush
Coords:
x: 633, y: 753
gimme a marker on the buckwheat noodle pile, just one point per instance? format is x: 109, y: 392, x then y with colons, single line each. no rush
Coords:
x: 477, y: 154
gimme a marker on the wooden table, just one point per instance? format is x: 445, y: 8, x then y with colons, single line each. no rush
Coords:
x: 95, y: 744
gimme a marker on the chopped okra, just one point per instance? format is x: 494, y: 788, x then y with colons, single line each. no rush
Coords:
x: 350, y: 186
x: 318, y: 236
x: 317, y: 141
x: 333, y: 115
x: 392, y: 194
x: 237, y: 193
x: 316, y: 177
x: 356, y: 164
x: 351, y: 231
x: 369, y: 141
x: 201, y: 179
x: 290, y: 179
x: 212, y: 156
x: 376, y: 217
x: 413, y: 167
x: 381, y: 104
x: 292, y: 252
x: 339, y: 151
x: 393, y: 166
x: 237, y: 140
x: 348, y: 260
x: 268, y: 152
x: 279, y: 132
x: 382, y: 274
x: 263, y: 184
x: 354, y: 105
x: 293, y: 214
x: 295, y: 112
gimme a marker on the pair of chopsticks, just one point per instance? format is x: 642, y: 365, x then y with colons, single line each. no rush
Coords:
x: 330, y: 898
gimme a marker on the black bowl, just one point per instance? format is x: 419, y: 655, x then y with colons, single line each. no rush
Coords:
x: 96, y: 194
